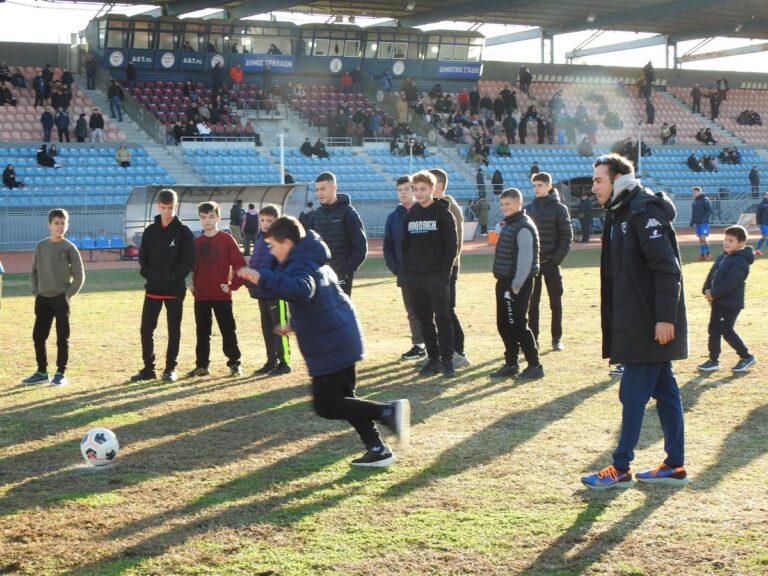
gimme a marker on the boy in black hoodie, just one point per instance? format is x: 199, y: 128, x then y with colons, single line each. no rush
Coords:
x: 166, y: 257
x: 724, y: 290
x: 430, y: 246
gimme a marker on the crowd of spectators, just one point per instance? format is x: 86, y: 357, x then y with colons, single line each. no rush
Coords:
x: 705, y: 137
x: 749, y: 118
x: 707, y: 163
x: 316, y: 150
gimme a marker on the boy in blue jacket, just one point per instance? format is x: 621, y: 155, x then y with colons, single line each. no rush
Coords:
x: 329, y: 335
x: 273, y: 311
x: 724, y: 289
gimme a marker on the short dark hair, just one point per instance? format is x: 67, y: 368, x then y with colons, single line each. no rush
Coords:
x: 326, y: 177
x: 403, y: 180
x: 208, y: 207
x: 310, y: 204
x: 440, y: 176
x: 286, y: 228
x: 269, y: 210
x: 512, y: 193
x: 251, y: 206
x: 167, y: 196
x: 616, y: 163
x: 57, y: 213
x: 545, y: 177
x: 738, y: 232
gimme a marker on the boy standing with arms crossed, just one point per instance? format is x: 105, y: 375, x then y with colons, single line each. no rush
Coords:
x: 217, y: 257
x: 273, y: 311
x: 515, y: 265
x: 57, y: 275
x: 724, y: 290
x: 166, y: 257
x: 330, y: 337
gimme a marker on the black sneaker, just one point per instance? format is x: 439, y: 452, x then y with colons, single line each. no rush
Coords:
x: 744, y: 364
x: 414, y: 353
x: 532, y: 373
x: 199, y: 371
x: 169, y: 376
x: 617, y: 370
x: 376, y: 457
x: 449, y: 371
x: 557, y: 346
x: 431, y: 368
x: 506, y: 371
x: 36, y: 378
x: 399, y: 420
x: 144, y: 374
x: 235, y: 371
x: 266, y: 369
x: 280, y: 369
x: 709, y: 366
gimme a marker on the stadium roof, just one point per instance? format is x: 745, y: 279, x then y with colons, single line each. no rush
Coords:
x: 678, y: 19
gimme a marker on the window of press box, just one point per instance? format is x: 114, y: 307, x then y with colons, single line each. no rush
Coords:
x: 117, y: 38
x: 385, y: 50
x: 168, y: 40
x: 432, y: 51
x: 446, y: 52
x: 352, y: 48
x: 474, y: 53
x: 400, y: 50
x: 460, y: 52
x: 102, y: 33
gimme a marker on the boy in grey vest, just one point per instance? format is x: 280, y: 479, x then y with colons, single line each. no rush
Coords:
x: 515, y: 265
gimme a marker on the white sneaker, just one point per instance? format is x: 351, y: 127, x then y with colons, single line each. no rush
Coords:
x: 460, y: 360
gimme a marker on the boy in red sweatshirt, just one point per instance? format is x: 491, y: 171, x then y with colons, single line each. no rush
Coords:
x: 213, y: 282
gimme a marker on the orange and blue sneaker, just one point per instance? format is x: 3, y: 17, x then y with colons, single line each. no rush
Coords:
x: 663, y: 474
x: 609, y: 477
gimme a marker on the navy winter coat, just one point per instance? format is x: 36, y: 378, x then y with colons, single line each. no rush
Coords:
x: 727, y: 278
x: 322, y: 316
x: 701, y: 213
x: 393, y: 241
x: 340, y: 227
x: 762, y: 213
x: 261, y: 259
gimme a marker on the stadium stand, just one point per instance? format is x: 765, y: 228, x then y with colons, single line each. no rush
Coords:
x: 322, y: 100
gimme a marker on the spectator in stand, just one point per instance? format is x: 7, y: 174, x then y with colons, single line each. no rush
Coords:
x: 273, y: 49
x: 650, y: 111
x: 672, y: 134
x: 47, y: 75
x: 250, y: 228
x: 288, y: 177
x: 123, y: 156
x: 696, y: 98
x: 18, y: 79
x: 266, y: 78
x: 497, y: 182
x: 115, y: 95
x: 237, y: 74
x: 190, y: 130
x: 410, y: 91
x: 693, y: 163
x: 90, y: 73
x: 498, y: 108
x: 522, y: 128
x: 503, y: 149
x: 203, y: 129
x: 373, y: 124
x: 81, y: 128
x: 6, y: 98
x: 709, y: 163
x: 47, y: 121
x: 45, y: 159
x: 218, y: 77
x: 714, y: 105
x: 53, y: 151
x: 401, y: 110
x: 298, y: 91
x: 585, y: 148
x: 60, y: 96
x: 9, y: 178
x: 5, y: 72
x: 38, y: 85
x: 96, y: 124
x: 535, y: 168
x: 541, y: 129
x: 436, y: 91
x: 585, y: 217
x: 754, y: 181
x: 187, y: 47
x: 722, y: 89
x: 707, y: 137
x: 649, y: 73
x: 463, y: 100
x: 61, y: 120
x: 178, y: 131
x: 525, y: 78
x: 346, y: 82
x: 233, y: 48
x: 319, y: 149
x: 486, y: 106
x: 357, y: 79
x: 130, y: 75
x: 480, y: 179
x: 664, y: 133
x: 306, y: 148
x: 386, y: 80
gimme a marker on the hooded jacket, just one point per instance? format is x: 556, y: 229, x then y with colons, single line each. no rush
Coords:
x: 726, y: 280
x: 430, y: 244
x: 640, y: 277
x: 701, y: 211
x: 322, y: 316
x: 554, y: 225
x: 393, y: 241
x: 166, y: 257
x: 340, y: 227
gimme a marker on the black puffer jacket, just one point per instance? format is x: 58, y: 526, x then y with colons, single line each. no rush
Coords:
x: 641, y: 279
x: 505, y: 257
x: 701, y: 210
x: 554, y: 226
x: 340, y: 227
x: 727, y: 278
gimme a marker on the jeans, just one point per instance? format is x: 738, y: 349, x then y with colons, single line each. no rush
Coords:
x: 639, y: 384
x: 511, y: 322
x: 47, y: 134
x: 430, y: 296
x: 90, y: 77
x: 63, y: 133
x: 333, y: 398
x: 174, y: 308
x: 721, y: 322
x: 458, y: 333
x: 46, y: 309
x: 550, y: 275
x: 115, y: 109
x: 586, y: 228
x: 97, y: 135
x: 222, y: 309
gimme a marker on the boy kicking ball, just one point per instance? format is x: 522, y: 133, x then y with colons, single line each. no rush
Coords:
x: 724, y: 290
x: 329, y: 335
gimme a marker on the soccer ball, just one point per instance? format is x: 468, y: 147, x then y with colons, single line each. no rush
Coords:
x: 99, y: 446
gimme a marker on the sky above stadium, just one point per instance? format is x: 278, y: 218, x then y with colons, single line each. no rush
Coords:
x: 49, y: 22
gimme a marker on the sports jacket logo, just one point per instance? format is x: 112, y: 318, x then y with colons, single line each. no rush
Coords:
x: 652, y: 223
x: 655, y: 234
x: 173, y: 243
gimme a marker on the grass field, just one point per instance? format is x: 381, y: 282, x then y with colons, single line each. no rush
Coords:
x: 239, y: 477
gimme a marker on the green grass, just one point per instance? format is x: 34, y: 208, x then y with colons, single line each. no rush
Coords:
x: 238, y: 477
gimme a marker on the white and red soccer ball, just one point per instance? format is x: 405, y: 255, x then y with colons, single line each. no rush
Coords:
x: 99, y: 446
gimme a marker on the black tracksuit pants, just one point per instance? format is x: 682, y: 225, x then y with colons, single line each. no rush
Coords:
x: 458, y: 332
x: 431, y: 299
x: 549, y: 275
x: 46, y: 309
x: 222, y: 309
x: 721, y: 323
x: 333, y: 398
x: 512, y: 324
x: 274, y: 313
x: 174, y: 307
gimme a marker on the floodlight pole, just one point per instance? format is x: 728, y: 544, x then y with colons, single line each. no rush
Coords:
x: 282, y: 157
